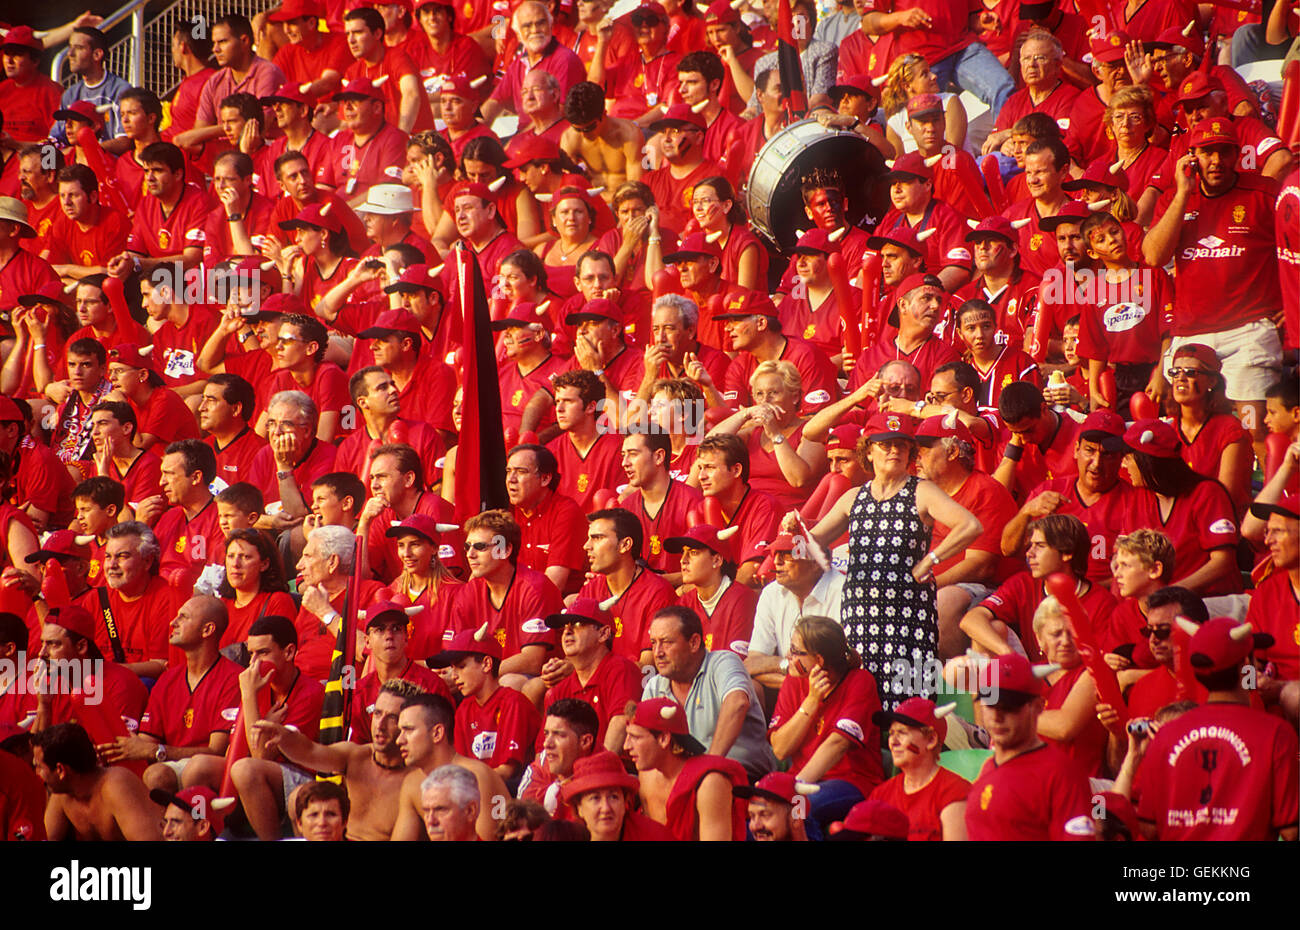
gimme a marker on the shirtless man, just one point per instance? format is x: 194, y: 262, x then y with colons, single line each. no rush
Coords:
x: 373, y: 773
x: 424, y: 738
x: 610, y: 147
x: 89, y: 802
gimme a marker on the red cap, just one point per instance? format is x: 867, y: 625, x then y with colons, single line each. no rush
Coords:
x: 693, y: 245
x: 885, y: 426
x: 9, y: 412
x: 901, y: 235
x: 662, y: 715
x: 1012, y: 676
x: 391, y: 322
x: 585, y: 609
x: 719, y: 13
x: 1288, y: 506
x: 922, y: 104
x: 779, y: 786
x: 909, y: 167
x: 678, y: 114
x: 283, y: 305
x: 600, y: 770
x: 49, y: 292
x: 787, y: 542
x: 74, y: 619
x: 1110, y: 48
x: 1101, y: 173
x: 290, y: 92
x: 128, y: 354
x: 815, y: 241
x: 1196, y: 85
x: 1174, y: 35
x: 84, y: 110
x: 414, y: 277
x: 23, y: 37
x: 748, y: 303
x: 472, y: 188
x: 844, y: 436
x: 1202, y: 353
x: 872, y: 818
x: 651, y: 7
x: 944, y: 426
x: 1104, y: 426
x: 1074, y: 212
x: 384, y: 610
x: 59, y: 544
x: 995, y: 225
x: 857, y: 83
x: 704, y: 535
x: 1223, y: 643
x: 1153, y: 437
x: 261, y: 270
x: 317, y: 216
x: 417, y: 524
x: 599, y: 309
x: 1216, y: 130
x: 197, y: 800
x: 359, y: 87
x: 1115, y: 806
x: 467, y: 643
x: 918, y: 279
x: 531, y: 149
x: 458, y: 85
x: 916, y: 712
x: 295, y: 9
x: 524, y: 313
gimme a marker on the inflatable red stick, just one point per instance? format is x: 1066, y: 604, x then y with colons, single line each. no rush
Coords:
x: 102, y: 727
x: 993, y: 180
x: 528, y: 437
x: 871, y: 271
x: 1142, y: 407
x: 1062, y: 586
x: 238, y: 748
x: 665, y: 282
x: 713, y: 512
x: 844, y: 297
x: 1275, y: 445
x: 603, y: 499
x: 54, y: 586
x: 96, y: 161
x: 694, y: 517
x: 1042, y: 329
x: 1288, y: 120
x: 1181, y: 640
x: 1109, y: 390
x: 126, y: 326
x: 829, y: 490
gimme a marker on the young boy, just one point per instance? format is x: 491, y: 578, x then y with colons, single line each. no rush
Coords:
x: 997, y: 365
x: 1282, y: 406
x: 98, y: 502
x: 1127, y: 318
x: 1143, y: 564
x: 239, y: 507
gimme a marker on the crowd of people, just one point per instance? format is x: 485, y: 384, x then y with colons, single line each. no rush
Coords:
x: 979, y: 519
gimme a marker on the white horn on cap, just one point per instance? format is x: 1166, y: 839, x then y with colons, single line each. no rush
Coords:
x: 83, y: 539
x: 926, y: 234
x: 699, y: 107
x: 728, y: 532
x: 104, y: 108
x: 220, y: 804
x: 1186, y: 625
x: 326, y: 209
x: 1189, y: 28
x: 144, y: 350
x: 496, y: 185
x: 1042, y: 671
x: 433, y: 272
x: 304, y: 87
x: 412, y: 610
x: 973, y: 224
x: 944, y: 710
x: 544, y: 198
x: 478, y: 81
x: 379, y: 80
x: 950, y: 420
x: 266, y: 266
x: 608, y: 602
x: 1147, y: 436
x: 1117, y: 167
x: 1099, y: 205
x: 593, y: 191
x: 135, y: 505
x: 446, y: 527
x: 806, y: 788
x: 1020, y: 224
x: 933, y: 160
x: 713, y: 236
x: 837, y: 234
x: 71, y: 287
x: 879, y: 81
x: 889, y: 163
x: 481, y: 633
x: 668, y: 713
x: 541, y: 308
x: 1240, y: 632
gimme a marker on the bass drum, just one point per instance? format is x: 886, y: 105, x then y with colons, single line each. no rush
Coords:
x: 773, y: 194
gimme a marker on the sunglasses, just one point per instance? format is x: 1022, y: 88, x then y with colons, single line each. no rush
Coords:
x: 1161, y: 633
x: 1186, y: 372
x: 478, y: 546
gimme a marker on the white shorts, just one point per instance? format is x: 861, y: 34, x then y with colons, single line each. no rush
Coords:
x: 1251, y: 355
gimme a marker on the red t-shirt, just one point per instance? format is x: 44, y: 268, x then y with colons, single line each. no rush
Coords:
x: 328, y: 388
x: 354, y: 451
x: 847, y: 711
x: 923, y: 808
x: 463, y: 56
x: 143, y: 477
x: 354, y: 169
x: 155, y: 232
x: 1015, y: 601
x: 166, y: 416
x: 1220, y: 772
x: 235, y: 459
x: 926, y: 357
x: 673, y: 195
x: 1104, y: 519
x: 318, y: 461
x: 218, y: 244
x: 315, y: 644
x: 189, y: 544
x: 683, y: 813
x: 263, y: 604
x: 995, y: 507
x: 367, y: 691
x: 947, y: 32
x: 176, y: 347
x: 301, y: 64
x: 180, y: 716
x: 614, y: 683
x: 1198, y: 523
x: 42, y: 481
x: 29, y: 108
x: 671, y: 520
x: 633, y: 610
x: 520, y: 620
x: 558, y: 60
x: 1127, y: 322
x: 731, y: 623
x: 554, y: 534
x: 817, y: 376
x: 1038, y: 463
x: 582, y: 475
x: 95, y: 245
x: 1204, y: 451
x: 395, y: 65
x: 1275, y: 609
x: 430, y: 629
x: 1038, y: 795
x: 636, y: 84
x: 303, y: 703
x: 142, y: 624
x: 1088, y: 747
x: 384, y: 560
x: 500, y: 730
x: 1060, y: 104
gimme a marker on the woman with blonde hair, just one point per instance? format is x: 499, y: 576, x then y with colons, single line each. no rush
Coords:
x: 781, y: 462
x: 908, y: 76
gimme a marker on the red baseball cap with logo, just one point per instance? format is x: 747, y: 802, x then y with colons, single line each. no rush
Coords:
x: 82, y: 110
x: 747, y: 304
x: 1102, y: 173
x: 883, y: 427
x: 359, y: 89
x: 392, y: 322
x: 22, y: 37
x: 1153, y: 437
x: 129, y: 354
x: 1014, y: 680
x: 844, y: 436
x: 1196, y: 85
x: 288, y: 93
x: 916, y: 712
x: 693, y: 245
x: 995, y: 225
x: 1177, y: 36
x: 1216, y: 130
x: 1106, y: 427
x: 1074, y: 212
x: 315, y: 216
x: 719, y: 13
x: 1109, y: 48
x: 1288, y: 506
x: 902, y: 235
x: 534, y: 148
x: 857, y: 83
x: 924, y: 105
x: 1223, y: 643
x: 944, y: 426
x: 582, y: 610
x: 664, y: 715
x: 599, y: 309
x: 778, y: 786
x: 295, y: 9
x: 524, y: 313
x: 417, y: 524
x: 467, y: 643
x: 380, y: 611
x: 706, y: 536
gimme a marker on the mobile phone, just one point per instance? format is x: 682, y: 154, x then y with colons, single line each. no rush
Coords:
x: 373, y: 263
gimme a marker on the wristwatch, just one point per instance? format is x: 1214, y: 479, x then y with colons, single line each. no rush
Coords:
x: 919, y: 406
x: 281, y: 475
x: 778, y: 439
x: 160, y: 754
x: 234, y: 218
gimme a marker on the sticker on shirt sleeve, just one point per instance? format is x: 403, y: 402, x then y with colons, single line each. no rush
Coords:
x: 740, y: 647
x: 535, y: 625
x: 393, y: 171
x: 817, y: 397
x: 484, y: 745
x: 446, y: 552
x: 229, y: 714
x: 1079, y: 826
x: 1223, y: 526
x: 851, y: 727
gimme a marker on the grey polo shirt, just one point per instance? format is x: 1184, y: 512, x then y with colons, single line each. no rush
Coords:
x: 721, y: 673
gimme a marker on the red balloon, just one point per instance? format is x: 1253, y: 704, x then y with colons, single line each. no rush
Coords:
x: 694, y: 517
x: 399, y: 433
x: 1109, y: 391
x: 528, y: 437
x: 1275, y: 445
x: 1143, y: 407
x: 603, y: 500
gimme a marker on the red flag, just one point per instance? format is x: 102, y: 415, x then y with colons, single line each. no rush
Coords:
x: 481, y: 453
x: 787, y: 59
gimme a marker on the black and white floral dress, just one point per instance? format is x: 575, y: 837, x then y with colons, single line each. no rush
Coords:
x: 887, y: 616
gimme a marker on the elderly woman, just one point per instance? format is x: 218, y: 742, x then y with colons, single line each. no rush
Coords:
x: 823, y: 720
x: 718, y: 213
x: 254, y: 585
x: 601, y: 794
x: 932, y: 797
x: 888, y: 606
x: 1195, y: 512
x: 1069, y: 721
x: 1212, y: 439
x: 781, y: 462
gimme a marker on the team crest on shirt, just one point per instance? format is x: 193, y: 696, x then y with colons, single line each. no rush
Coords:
x: 500, y: 636
x: 708, y: 642
x: 618, y: 627
x: 1238, y: 213
x: 188, y: 719
x: 1036, y: 241
x: 1007, y: 379
x: 583, y: 481
x: 94, y: 569
x: 180, y: 544
x: 639, y: 80
x: 87, y: 257
x: 164, y: 239
x: 810, y: 330
x: 656, y: 545
x: 985, y: 797
x: 516, y: 397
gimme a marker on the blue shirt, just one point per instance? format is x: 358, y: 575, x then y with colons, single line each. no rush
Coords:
x: 106, y: 91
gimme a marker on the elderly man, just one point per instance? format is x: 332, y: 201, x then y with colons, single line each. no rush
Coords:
x: 324, y: 579
x: 1044, y: 91
x: 532, y: 22
x: 550, y: 524
x: 802, y: 588
x: 295, y: 457
x: 722, y: 709
x: 542, y: 116
x: 368, y: 150
x: 675, y: 350
x: 450, y: 800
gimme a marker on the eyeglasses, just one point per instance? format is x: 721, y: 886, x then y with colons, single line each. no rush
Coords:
x: 935, y: 397
x: 519, y: 472
x: 704, y: 201
x: 1161, y: 633
x: 796, y: 652
x: 1186, y: 372
x: 274, y: 426
x: 1130, y: 119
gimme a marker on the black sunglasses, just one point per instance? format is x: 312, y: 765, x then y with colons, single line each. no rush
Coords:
x: 1159, y: 632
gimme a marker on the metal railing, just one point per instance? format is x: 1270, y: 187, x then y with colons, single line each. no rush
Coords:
x: 144, y: 56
